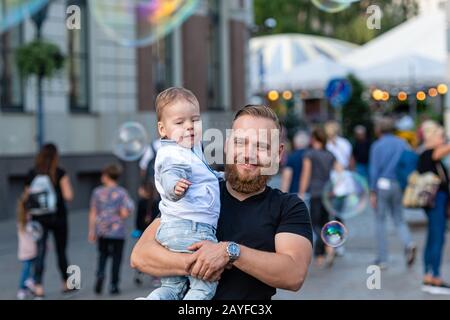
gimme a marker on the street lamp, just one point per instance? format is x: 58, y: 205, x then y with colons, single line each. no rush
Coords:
x: 39, y: 19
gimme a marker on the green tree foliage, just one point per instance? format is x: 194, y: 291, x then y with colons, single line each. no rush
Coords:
x: 39, y: 58
x: 356, y: 111
x: 302, y: 16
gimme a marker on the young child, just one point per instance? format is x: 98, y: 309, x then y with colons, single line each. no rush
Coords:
x: 27, y: 250
x: 110, y: 207
x: 189, y: 190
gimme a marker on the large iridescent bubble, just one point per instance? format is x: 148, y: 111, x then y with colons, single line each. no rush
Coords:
x: 13, y: 12
x: 346, y: 195
x: 131, y: 141
x: 333, y: 6
x: 137, y: 23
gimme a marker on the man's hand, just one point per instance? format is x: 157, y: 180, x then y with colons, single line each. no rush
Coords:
x: 209, y: 260
x: 181, y: 187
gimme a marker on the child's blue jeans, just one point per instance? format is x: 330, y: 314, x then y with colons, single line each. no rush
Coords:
x: 178, y: 236
x: 26, y: 272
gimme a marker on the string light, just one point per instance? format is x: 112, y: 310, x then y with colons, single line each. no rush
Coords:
x: 377, y: 94
x: 402, y: 96
x: 273, y: 95
x: 432, y: 92
x: 287, y: 95
x: 442, y: 89
x: 421, y: 96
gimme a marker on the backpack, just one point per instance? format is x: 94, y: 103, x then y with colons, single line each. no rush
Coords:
x: 42, y: 197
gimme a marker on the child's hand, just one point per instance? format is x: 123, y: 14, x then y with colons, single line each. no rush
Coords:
x: 181, y: 187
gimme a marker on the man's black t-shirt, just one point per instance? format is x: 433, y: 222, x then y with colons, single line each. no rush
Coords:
x: 254, y: 223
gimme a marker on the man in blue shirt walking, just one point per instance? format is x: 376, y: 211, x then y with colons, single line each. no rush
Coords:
x: 386, y: 194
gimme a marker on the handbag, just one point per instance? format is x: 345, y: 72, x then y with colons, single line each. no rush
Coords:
x: 422, y: 188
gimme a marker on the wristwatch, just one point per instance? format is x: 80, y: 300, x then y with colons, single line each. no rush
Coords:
x: 233, y: 251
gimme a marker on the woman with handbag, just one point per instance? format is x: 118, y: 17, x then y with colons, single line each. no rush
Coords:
x: 431, y: 161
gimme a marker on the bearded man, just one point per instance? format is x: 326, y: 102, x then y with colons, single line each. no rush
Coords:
x: 265, y: 235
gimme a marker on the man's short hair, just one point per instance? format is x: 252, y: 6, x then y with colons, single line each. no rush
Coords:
x: 259, y: 111
x: 113, y: 171
x: 360, y: 129
x: 172, y: 95
x: 319, y: 135
x: 386, y: 125
x: 301, y: 139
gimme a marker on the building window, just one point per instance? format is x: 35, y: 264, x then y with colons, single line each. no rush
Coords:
x: 11, y: 82
x: 215, y: 55
x: 78, y: 61
x: 162, y: 57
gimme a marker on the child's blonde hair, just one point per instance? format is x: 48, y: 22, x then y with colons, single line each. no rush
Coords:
x: 172, y: 95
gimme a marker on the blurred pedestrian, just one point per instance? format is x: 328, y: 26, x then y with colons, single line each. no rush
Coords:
x: 386, y: 194
x: 147, y: 211
x: 290, y: 175
x: 147, y: 162
x: 339, y: 146
x: 361, y: 150
x: 110, y: 207
x: 430, y: 160
x: 27, y: 250
x: 316, y: 170
x: 47, y: 169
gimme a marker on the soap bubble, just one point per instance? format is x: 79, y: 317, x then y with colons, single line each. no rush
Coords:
x: 346, y: 194
x: 137, y: 23
x: 332, y: 6
x: 131, y: 141
x: 13, y: 12
x: 334, y: 234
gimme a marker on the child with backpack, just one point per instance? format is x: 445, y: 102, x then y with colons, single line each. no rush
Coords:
x: 27, y: 249
x: 110, y: 207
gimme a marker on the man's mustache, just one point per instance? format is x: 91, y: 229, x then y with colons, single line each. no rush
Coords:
x: 240, y: 160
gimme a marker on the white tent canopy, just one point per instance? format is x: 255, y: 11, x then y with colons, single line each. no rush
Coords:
x: 309, y: 75
x: 414, y: 52
x: 273, y: 57
x: 404, y: 70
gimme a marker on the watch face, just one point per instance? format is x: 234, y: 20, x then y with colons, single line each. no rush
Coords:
x: 233, y: 249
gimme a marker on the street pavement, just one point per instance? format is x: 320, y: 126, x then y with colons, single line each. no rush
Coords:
x: 346, y: 279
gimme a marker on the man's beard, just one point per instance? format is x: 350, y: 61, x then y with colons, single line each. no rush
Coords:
x: 245, y: 185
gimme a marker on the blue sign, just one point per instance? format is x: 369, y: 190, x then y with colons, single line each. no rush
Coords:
x: 338, y: 92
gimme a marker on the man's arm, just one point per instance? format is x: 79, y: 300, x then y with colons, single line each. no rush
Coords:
x: 287, y: 268
x: 305, y: 176
x: 286, y: 179
x: 150, y: 257
x: 288, y: 265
